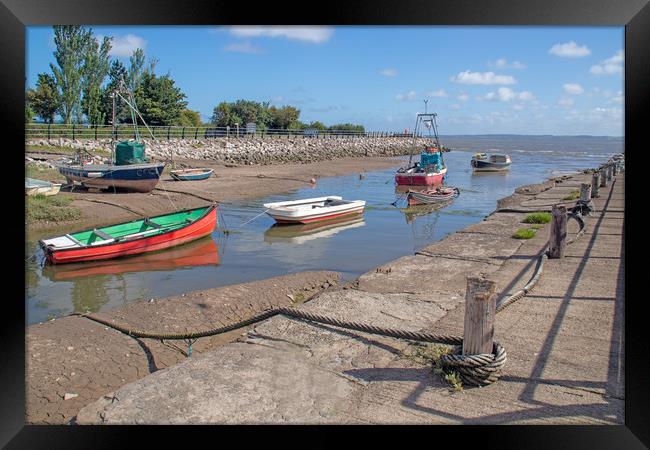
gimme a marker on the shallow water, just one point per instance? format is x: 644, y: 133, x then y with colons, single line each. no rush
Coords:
x: 259, y: 250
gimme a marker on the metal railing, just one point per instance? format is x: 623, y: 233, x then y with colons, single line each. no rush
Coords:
x: 125, y: 131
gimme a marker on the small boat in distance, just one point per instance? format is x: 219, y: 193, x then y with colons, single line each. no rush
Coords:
x: 36, y: 187
x: 494, y: 162
x: 313, y: 209
x: 131, y: 238
x: 191, y: 174
x: 440, y: 194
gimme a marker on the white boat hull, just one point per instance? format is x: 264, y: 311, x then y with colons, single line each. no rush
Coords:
x: 314, y: 209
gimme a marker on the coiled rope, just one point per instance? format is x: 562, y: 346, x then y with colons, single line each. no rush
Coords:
x: 479, y: 370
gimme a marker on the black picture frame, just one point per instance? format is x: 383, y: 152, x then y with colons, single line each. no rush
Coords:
x: 15, y: 15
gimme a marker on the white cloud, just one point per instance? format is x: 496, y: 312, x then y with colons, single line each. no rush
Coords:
x: 609, y: 66
x: 505, y: 94
x: 455, y: 106
x: 468, y: 77
x: 242, y: 47
x: 463, y: 97
x: 408, y: 96
x: 389, y: 72
x: 573, y: 89
x: 565, y: 102
x: 440, y: 93
x: 125, y: 45
x: 314, y: 35
x: 570, y: 50
x: 503, y: 63
x: 518, y: 107
x: 618, y: 99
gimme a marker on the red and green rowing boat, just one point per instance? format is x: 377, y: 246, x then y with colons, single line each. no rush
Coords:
x: 131, y: 238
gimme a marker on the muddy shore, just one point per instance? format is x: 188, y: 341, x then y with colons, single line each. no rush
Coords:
x: 229, y: 183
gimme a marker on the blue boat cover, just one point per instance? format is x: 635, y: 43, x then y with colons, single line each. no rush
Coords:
x: 430, y: 158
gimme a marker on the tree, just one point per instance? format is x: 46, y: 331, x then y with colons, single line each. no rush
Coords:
x: 44, y: 100
x: 135, y: 70
x: 285, y: 117
x: 158, y: 100
x: 72, y: 42
x: 189, y: 118
x: 95, y: 68
x: 347, y: 127
x: 116, y: 73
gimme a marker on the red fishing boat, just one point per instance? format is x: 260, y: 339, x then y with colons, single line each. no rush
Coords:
x: 431, y: 168
x: 131, y: 238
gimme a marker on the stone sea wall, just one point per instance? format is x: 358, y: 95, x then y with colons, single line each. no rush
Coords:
x: 257, y: 150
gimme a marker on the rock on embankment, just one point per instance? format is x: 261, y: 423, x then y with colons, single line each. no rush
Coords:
x: 252, y: 150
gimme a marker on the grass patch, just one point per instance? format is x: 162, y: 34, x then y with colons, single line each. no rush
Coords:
x: 53, y: 208
x: 572, y: 196
x: 538, y: 217
x: 43, y: 173
x: 524, y: 233
x: 425, y: 354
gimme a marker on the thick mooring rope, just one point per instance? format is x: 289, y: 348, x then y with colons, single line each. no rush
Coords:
x: 479, y: 370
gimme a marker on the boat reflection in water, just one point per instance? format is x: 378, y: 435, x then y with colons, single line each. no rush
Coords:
x: 203, y: 252
x: 414, y: 211
x: 299, y: 234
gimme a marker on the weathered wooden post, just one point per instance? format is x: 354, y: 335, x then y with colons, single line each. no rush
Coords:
x: 610, y: 172
x: 585, y: 192
x: 603, y: 177
x: 480, y: 309
x: 595, y: 184
x: 616, y: 167
x: 557, y: 240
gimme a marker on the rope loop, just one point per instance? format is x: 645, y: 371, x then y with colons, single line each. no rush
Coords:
x: 478, y: 370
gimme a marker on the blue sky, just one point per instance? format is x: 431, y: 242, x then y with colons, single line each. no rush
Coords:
x: 480, y: 80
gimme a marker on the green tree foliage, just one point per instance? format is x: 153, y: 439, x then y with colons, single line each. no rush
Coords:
x: 317, y: 125
x: 284, y: 117
x: 158, y: 100
x: 96, y: 67
x: 347, y: 127
x: 44, y: 100
x: 135, y: 70
x: 116, y: 72
x: 72, y: 43
x: 189, y: 118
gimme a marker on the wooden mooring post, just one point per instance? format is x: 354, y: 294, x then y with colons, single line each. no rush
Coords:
x: 480, y: 310
x: 595, y: 184
x: 603, y: 177
x: 610, y: 172
x: 557, y: 240
x: 585, y: 192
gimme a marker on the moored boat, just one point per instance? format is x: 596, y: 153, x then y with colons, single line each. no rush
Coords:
x: 431, y: 169
x: 131, y: 238
x: 128, y: 168
x: 191, y: 174
x: 440, y: 194
x: 494, y: 162
x: 36, y: 187
x: 202, y: 252
x: 314, y: 209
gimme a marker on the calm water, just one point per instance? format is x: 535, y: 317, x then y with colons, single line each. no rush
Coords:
x: 259, y: 250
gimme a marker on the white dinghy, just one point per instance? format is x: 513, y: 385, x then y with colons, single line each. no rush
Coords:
x: 314, y: 209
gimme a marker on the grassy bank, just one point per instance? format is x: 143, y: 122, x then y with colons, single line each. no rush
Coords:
x: 54, y: 208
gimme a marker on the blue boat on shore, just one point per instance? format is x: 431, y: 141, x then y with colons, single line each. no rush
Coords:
x: 132, y: 177
x: 191, y: 174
